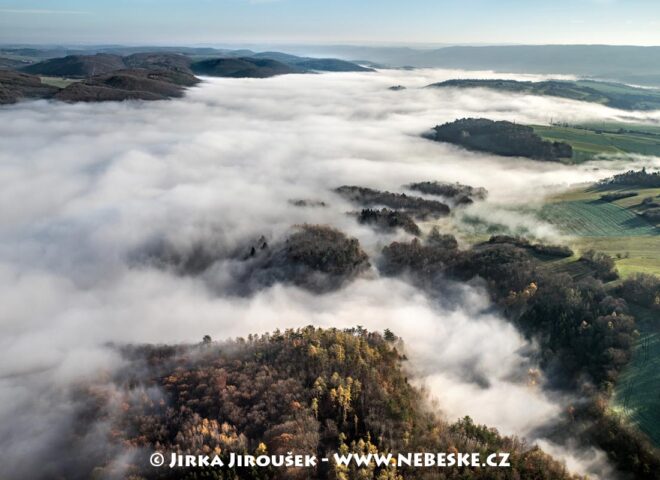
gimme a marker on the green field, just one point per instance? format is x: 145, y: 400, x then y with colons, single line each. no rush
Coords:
x: 591, y: 140
x: 615, y: 228
x: 637, y: 393
x: 594, y: 218
x: 59, y: 82
x: 576, y: 269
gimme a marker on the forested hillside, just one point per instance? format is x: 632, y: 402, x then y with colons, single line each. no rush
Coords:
x: 308, y: 390
x: 501, y: 138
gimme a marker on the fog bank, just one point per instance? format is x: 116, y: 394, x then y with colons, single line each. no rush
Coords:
x: 82, y: 187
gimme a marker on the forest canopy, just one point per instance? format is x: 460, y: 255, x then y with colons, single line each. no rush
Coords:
x: 306, y: 391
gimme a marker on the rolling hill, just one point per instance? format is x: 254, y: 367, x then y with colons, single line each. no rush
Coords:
x: 131, y: 74
x: 330, y: 65
x: 101, y: 61
x: 79, y: 66
x: 242, y: 67
x: 126, y: 84
x: 158, y: 61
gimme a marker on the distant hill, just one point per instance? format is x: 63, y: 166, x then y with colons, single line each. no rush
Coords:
x: 188, y: 51
x: 242, y: 67
x: 629, y: 64
x: 261, y: 65
x: 152, y: 75
x: 611, y: 94
x: 95, y: 61
x: 11, y: 64
x: 279, y: 56
x: 330, y: 65
x: 501, y: 138
x: 156, y: 61
x: 77, y: 65
x: 83, y: 66
x: 319, y: 64
x: 34, y: 54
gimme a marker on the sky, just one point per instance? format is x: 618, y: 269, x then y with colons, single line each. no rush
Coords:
x: 393, y: 22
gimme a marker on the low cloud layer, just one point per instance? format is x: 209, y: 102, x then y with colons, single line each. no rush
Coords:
x: 85, y: 186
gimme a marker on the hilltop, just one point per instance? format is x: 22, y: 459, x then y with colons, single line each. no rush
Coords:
x: 306, y: 391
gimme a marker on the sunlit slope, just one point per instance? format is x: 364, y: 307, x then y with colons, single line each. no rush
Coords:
x: 593, y: 218
x: 616, y: 228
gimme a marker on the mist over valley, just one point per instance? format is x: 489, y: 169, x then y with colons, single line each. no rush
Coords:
x: 240, y: 207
